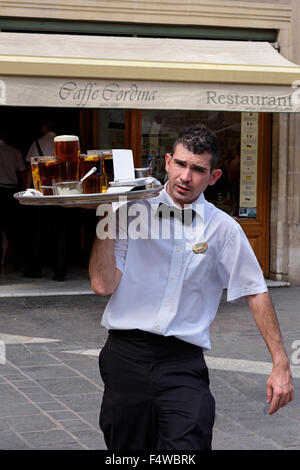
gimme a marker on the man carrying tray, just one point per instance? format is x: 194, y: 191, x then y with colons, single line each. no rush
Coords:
x: 165, y: 294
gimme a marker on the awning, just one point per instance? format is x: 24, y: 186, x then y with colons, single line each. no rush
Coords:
x: 145, y: 73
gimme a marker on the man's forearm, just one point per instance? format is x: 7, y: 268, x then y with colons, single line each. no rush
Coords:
x: 280, y: 384
x: 102, y: 267
x: 266, y: 320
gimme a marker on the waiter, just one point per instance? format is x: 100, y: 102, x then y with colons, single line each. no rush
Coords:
x: 12, y: 169
x: 165, y: 294
x: 43, y: 146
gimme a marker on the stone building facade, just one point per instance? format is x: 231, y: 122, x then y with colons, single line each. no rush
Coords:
x: 226, y: 18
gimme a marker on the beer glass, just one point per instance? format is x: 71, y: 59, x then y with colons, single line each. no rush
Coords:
x: 67, y: 149
x: 49, y: 170
x: 35, y: 173
x: 93, y: 184
x: 108, y: 169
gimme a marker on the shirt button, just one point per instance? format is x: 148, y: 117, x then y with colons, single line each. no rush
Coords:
x: 166, y: 304
x: 157, y: 328
x: 178, y: 250
x: 173, y: 277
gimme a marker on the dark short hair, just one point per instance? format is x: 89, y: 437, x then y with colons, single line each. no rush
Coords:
x: 49, y: 123
x: 199, y: 140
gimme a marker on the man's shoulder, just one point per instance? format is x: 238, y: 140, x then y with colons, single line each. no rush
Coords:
x: 220, y: 215
x: 10, y: 149
x: 47, y: 137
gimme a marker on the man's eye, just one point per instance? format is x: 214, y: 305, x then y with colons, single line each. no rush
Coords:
x: 199, y: 170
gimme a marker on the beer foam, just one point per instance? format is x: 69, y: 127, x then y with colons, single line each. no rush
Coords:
x: 66, y: 138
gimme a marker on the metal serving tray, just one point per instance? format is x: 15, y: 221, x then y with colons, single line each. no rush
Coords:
x: 82, y: 199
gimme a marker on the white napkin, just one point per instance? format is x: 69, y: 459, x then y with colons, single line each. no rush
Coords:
x: 32, y: 192
x: 115, y: 190
x: 133, y: 183
x: 123, y: 164
x: 118, y: 189
x: 130, y: 182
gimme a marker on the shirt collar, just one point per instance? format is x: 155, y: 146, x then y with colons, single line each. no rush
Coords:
x: 196, y: 205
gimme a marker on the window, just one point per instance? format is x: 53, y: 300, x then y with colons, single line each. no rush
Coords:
x: 159, y: 130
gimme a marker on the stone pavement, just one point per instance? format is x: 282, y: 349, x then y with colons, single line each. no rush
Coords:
x: 13, y: 284
x: 50, y: 388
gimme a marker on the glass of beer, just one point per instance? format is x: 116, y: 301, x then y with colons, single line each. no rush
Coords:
x: 35, y: 173
x: 93, y: 184
x: 49, y: 171
x: 108, y: 169
x: 67, y: 149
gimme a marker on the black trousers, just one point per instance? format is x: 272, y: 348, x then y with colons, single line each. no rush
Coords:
x: 156, y: 393
x: 8, y: 220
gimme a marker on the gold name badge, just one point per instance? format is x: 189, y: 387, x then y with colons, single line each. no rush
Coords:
x: 199, y: 247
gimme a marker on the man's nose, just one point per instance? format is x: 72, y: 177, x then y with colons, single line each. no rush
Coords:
x: 186, y: 175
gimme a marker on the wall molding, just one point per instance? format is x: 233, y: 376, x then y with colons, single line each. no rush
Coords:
x: 187, y: 12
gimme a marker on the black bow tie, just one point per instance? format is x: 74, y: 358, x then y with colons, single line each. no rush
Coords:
x: 185, y: 216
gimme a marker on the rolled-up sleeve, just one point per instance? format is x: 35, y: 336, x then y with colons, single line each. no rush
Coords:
x: 238, y: 267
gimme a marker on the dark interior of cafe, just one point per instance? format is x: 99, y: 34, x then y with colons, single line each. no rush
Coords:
x: 149, y: 133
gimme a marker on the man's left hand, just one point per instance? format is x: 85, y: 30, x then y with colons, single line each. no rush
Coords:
x: 280, y: 388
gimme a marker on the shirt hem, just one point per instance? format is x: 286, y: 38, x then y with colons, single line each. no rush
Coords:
x: 241, y: 294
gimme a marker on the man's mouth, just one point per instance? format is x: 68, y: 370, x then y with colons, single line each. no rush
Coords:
x: 182, y: 189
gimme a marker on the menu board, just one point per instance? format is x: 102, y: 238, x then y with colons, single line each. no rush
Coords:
x: 248, y: 164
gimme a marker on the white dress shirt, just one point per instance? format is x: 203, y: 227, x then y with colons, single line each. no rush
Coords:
x: 168, y: 289
x: 47, y: 146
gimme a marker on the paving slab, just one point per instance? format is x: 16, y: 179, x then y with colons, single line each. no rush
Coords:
x: 51, y: 406
x: 82, y: 402
x: 3, y: 425
x: 10, y: 441
x: 37, y: 439
x: 16, y: 409
x: 68, y: 386
x: 48, y: 372
x: 38, y: 421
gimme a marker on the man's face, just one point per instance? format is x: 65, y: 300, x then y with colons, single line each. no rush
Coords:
x: 189, y: 175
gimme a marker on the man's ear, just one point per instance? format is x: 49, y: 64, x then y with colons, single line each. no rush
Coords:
x: 215, y: 175
x: 168, y: 159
